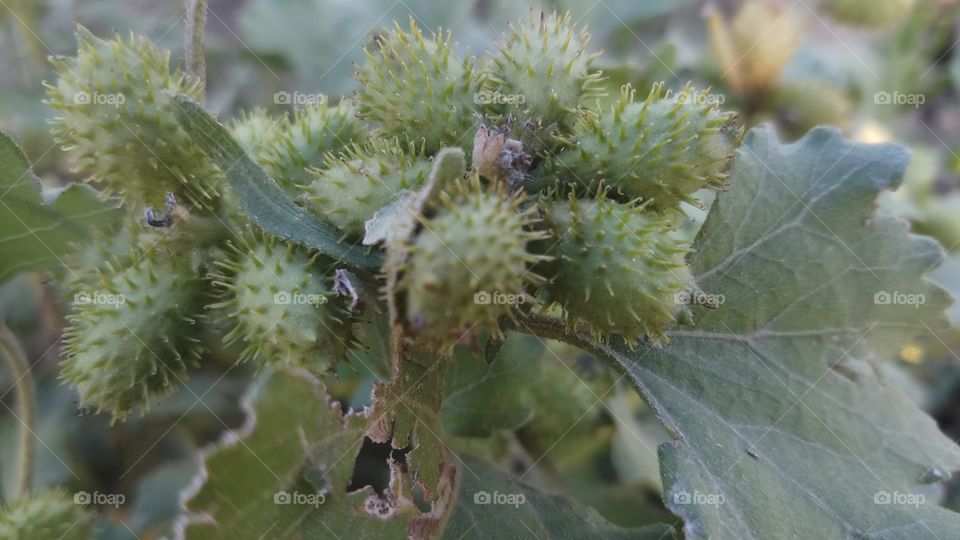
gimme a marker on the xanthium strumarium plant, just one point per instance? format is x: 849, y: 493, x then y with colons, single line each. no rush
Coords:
x: 599, y: 229
x: 437, y: 198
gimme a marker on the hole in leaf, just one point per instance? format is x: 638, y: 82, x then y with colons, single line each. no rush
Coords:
x: 371, y: 467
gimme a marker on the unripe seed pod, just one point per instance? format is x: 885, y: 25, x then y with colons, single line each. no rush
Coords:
x: 283, y: 310
x: 354, y: 185
x: 543, y: 71
x: 133, y: 333
x: 615, y: 267
x: 258, y: 133
x: 661, y: 150
x: 470, y: 265
x: 305, y: 141
x: 117, y: 121
x: 418, y: 88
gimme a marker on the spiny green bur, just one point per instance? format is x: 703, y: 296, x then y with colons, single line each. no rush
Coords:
x: 305, y: 141
x: 274, y: 292
x: 660, y: 150
x: 258, y: 133
x: 132, y: 334
x: 616, y: 268
x: 117, y: 121
x: 469, y: 263
x: 416, y: 87
x: 353, y: 186
x: 542, y: 68
x: 52, y: 514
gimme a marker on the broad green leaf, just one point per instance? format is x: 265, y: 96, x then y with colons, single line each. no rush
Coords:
x: 261, y: 199
x: 39, y: 227
x: 783, y: 429
x: 285, y: 474
x: 492, y: 503
x: 484, y: 398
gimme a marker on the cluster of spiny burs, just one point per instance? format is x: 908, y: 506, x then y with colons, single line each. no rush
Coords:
x: 567, y: 207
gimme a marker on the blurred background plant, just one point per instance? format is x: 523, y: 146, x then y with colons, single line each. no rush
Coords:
x: 881, y: 70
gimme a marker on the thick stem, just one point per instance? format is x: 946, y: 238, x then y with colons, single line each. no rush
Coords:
x: 26, y: 404
x: 196, y: 59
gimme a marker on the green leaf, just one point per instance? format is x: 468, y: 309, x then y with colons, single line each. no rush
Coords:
x: 261, y: 199
x: 286, y: 473
x: 407, y: 413
x: 783, y: 428
x: 492, y: 503
x: 38, y: 227
x: 484, y: 398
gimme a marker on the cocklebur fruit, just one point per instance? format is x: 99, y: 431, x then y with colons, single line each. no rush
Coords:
x: 872, y: 13
x: 469, y: 265
x: 354, y: 185
x: 755, y: 45
x: 305, y: 141
x: 258, y: 133
x: 283, y: 311
x: 117, y: 122
x: 132, y: 333
x: 661, y: 150
x: 615, y: 267
x: 418, y: 88
x: 543, y: 72
x: 51, y: 514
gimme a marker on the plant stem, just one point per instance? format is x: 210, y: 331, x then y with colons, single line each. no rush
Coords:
x: 196, y: 59
x: 26, y: 404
